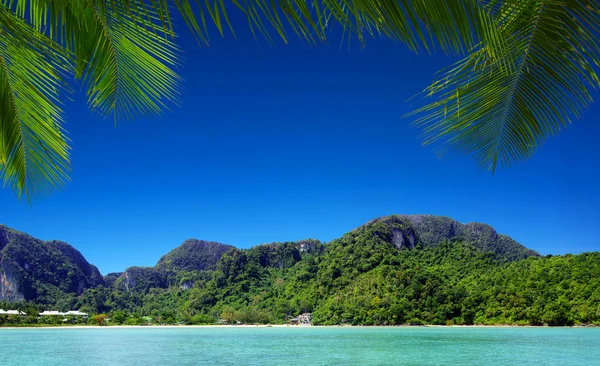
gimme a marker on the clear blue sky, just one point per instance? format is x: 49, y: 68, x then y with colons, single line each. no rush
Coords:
x: 285, y: 143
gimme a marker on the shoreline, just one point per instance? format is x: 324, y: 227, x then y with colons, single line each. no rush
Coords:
x: 284, y: 326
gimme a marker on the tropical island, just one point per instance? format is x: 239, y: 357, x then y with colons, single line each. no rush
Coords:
x: 394, y: 270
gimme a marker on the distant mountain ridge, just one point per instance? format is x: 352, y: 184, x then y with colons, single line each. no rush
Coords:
x: 31, y: 269
x: 430, y: 230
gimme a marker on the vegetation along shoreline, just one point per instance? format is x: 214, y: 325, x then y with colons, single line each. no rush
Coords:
x: 394, y: 270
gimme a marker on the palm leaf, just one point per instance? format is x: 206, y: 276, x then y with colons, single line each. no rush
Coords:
x: 501, y: 116
x: 527, y: 72
x: 34, y: 154
x: 121, y: 48
x: 454, y: 26
x: 126, y: 62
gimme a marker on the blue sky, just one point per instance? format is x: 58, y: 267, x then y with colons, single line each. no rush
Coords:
x: 285, y: 143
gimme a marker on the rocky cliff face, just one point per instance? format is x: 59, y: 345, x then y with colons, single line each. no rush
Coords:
x: 430, y: 230
x: 310, y: 246
x: 9, y: 286
x: 404, y: 238
x: 32, y: 269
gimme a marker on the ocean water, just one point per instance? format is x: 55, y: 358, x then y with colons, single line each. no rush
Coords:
x: 299, y: 346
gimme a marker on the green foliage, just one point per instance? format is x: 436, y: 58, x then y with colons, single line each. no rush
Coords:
x: 202, y: 319
x: 119, y: 317
x: 193, y: 255
x: 46, y: 272
x: 141, y: 279
x: 110, y: 278
x: 99, y: 319
x: 34, y: 153
x: 501, y: 108
x: 527, y: 69
x: 363, y: 278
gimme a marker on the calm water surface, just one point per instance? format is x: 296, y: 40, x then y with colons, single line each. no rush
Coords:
x: 300, y: 346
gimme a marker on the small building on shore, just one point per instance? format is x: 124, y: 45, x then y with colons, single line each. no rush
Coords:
x: 68, y: 313
x: 49, y: 313
x: 76, y: 313
x: 302, y: 319
x: 11, y: 312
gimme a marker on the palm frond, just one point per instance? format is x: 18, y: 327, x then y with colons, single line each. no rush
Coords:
x: 34, y: 153
x: 126, y: 61
x: 122, y: 49
x: 454, y: 26
x: 501, y: 116
x: 527, y: 73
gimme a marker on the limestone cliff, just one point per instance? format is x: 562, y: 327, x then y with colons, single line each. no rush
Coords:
x: 32, y: 269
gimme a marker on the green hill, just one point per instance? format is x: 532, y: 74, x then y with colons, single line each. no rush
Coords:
x: 180, y: 266
x: 397, y: 269
x: 42, y: 271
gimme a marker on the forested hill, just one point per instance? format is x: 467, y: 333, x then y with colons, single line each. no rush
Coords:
x: 32, y: 269
x: 393, y: 270
x: 429, y: 230
x: 193, y: 255
x: 175, y: 267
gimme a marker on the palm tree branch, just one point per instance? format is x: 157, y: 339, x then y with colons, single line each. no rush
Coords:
x: 34, y: 153
x: 126, y: 65
x: 501, y: 115
x: 510, y: 100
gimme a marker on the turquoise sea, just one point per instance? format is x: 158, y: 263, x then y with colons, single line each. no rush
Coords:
x: 300, y: 346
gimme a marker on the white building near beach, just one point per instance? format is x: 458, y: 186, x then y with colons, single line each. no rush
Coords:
x: 53, y: 312
x: 11, y: 312
x: 76, y: 313
x: 68, y: 313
